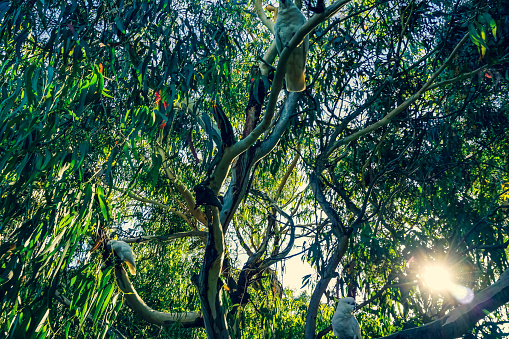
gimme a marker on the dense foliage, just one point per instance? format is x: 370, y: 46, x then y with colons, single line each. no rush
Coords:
x: 395, y: 157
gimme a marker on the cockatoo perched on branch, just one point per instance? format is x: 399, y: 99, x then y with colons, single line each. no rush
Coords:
x: 344, y: 324
x: 124, y: 252
x: 289, y: 20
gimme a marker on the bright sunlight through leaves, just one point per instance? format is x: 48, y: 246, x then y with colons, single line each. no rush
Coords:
x: 438, y: 278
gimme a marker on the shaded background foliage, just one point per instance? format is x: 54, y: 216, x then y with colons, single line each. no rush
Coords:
x: 88, y: 89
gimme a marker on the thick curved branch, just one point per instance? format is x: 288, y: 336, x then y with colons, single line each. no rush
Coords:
x: 186, y: 319
x: 263, y: 17
x: 271, y: 52
x: 240, y: 173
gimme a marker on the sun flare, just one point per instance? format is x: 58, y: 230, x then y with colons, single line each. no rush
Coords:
x: 437, y: 278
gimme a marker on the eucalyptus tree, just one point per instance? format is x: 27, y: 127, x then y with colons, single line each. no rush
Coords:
x: 164, y: 124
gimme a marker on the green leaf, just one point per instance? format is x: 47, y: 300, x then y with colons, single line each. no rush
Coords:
x: 4, y: 7
x: 105, y: 94
x: 67, y: 328
x: 102, y: 199
x: 477, y: 39
x: 29, y: 73
x: 20, y: 39
x: 102, y: 301
x: 474, y: 35
x: 8, y: 271
x: 40, y: 319
x: 120, y: 25
x: 492, y: 23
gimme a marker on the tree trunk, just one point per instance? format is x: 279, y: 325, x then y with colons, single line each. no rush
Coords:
x: 314, y: 302
x: 208, y: 282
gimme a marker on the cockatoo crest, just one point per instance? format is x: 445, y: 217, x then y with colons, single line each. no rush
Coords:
x: 344, y: 324
x: 124, y: 252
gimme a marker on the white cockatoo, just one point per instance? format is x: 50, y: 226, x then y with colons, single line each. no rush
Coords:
x: 344, y: 324
x: 289, y: 20
x: 124, y: 252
